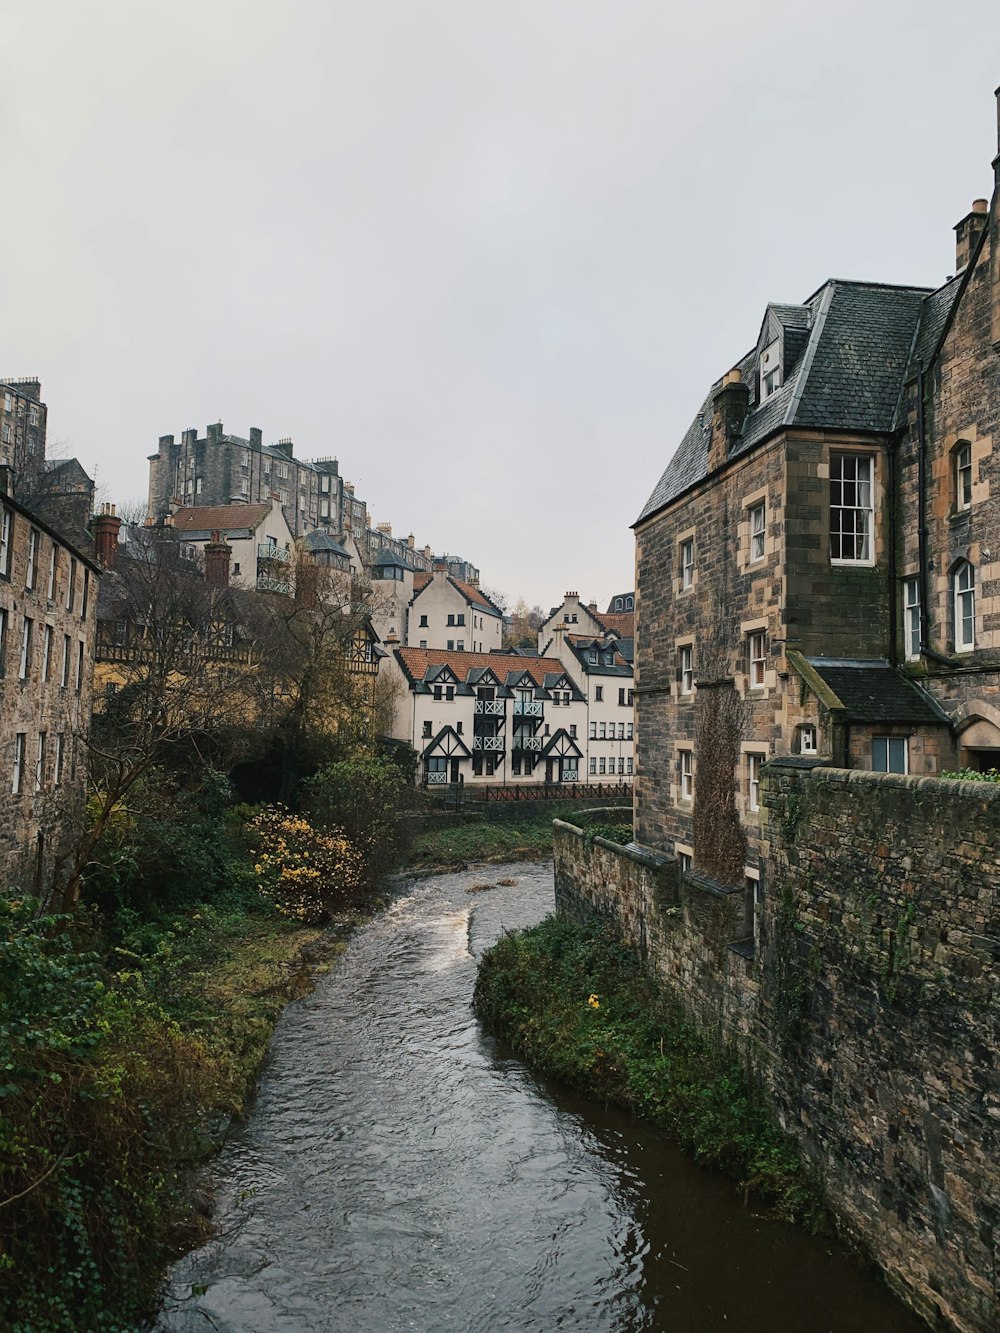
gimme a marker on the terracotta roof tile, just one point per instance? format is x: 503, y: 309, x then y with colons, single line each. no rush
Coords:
x: 415, y: 662
x: 623, y: 622
x: 207, y: 518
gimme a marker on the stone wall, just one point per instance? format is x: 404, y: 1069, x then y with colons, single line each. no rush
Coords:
x: 866, y: 997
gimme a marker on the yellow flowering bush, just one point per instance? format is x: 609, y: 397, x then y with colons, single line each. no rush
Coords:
x: 306, y: 873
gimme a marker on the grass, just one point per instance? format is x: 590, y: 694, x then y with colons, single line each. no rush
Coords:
x: 575, y: 1004
x: 456, y: 848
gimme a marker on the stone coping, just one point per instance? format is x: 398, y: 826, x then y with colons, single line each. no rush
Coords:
x: 643, y: 856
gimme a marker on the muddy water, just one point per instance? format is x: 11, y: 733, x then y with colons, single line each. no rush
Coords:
x: 400, y: 1171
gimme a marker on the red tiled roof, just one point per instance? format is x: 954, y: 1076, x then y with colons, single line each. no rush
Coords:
x: 421, y: 580
x: 415, y: 662
x: 208, y: 518
x: 621, y: 621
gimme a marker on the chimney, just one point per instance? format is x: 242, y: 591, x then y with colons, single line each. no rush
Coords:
x: 385, y: 528
x: 729, y: 410
x: 105, y: 527
x: 571, y: 597
x: 995, y: 240
x: 189, y: 438
x: 968, y: 232
x: 440, y: 567
x: 166, y: 444
x: 591, y: 606
x: 391, y: 639
x: 214, y: 432
x: 256, y: 437
x: 411, y: 541
x: 217, y: 553
x: 426, y: 553
x: 474, y: 581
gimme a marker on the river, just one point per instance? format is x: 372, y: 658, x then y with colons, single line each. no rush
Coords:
x: 400, y: 1170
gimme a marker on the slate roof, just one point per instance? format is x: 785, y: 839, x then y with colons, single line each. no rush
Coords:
x: 227, y: 519
x: 581, y: 644
x: 322, y: 541
x: 862, y: 338
x: 874, y: 691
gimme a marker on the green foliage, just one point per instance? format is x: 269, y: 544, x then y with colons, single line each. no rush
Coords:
x: 573, y: 1001
x: 363, y: 797
x: 619, y: 833
x: 477, y: 841
x: 973, y: 775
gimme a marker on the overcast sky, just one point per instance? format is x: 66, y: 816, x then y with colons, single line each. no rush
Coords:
x: 489, y: 255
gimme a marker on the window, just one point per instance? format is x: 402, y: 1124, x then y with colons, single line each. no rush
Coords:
x: 79, y: 666
x: 770, y: 370
x: 684, y: 862
x: 6, y: 542
x: 451, y: 645
x: 754, y: 762
x: 963, y: 475
x: 423, y: 643
x: 29, y: 574
x: 451, y: 620
x: 3, y: 640
x: 911, y: 619
x: 60, y: 758
x: 628, y: 731
x: 449, y: 693
x: 25, y: 665
x: 621, y: 731
x: 686, y: 652
x: 40, y: 762
x: 598, y: 693
x: 851, y: 508
x: 571, y: 771
x: 593, y: 765
x: 427, y: 730
x: 621, y: 698
x: 85, y: 595
x: 438, y: 690
x: 50, y: 592
x: 601, y: 764
x: 628, y: 766
x: 572, y: 730
x: 460, y: 618
x: 602, y: 732
x: 515, y: 765
x: 757, y: 652
x: 593, y: 731
x: 46, y: 652
x: 686, y: 769
x: 889, y: 754
x: 757, y: 522
x: 71, y: 584
x: 460, y: 646
x: 687, y: 563
x: 807, y: 739
x: 64, y: 675
x: 964, y: 597
x: 458, y: 728
x: 18, y: 778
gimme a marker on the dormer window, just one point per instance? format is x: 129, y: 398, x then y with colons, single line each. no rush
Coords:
x: 770, y: 370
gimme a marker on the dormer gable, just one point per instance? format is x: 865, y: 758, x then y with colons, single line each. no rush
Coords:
x: 784, y: 332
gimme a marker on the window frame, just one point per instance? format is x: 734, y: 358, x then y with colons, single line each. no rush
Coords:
x: 685, y: 668
x: 963, y: 606
x: 962, y: 475
x: 911, y: 619
x: 685, y: 774
x: 756, y: 661
x: 686, y: 563
x: 757, y: 534
x: 862, y: 527
x: 888, y: 742
x: 756, y: 760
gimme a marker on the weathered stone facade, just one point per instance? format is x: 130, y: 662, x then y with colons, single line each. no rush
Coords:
x: 868, y: 1001
x: 48, y: 600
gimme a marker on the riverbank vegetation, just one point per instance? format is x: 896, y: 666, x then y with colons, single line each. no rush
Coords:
x: 479, y: 841
x: 133, y: 1027
x: 574, y: 1003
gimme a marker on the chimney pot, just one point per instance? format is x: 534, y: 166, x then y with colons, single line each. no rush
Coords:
x: 217, y: 554
x: 106, y: 526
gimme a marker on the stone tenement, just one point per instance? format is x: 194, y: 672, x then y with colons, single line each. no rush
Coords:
x: 867, y: 999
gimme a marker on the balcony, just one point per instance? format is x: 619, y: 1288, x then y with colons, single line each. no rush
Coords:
x: 489, y: 708
x: 522, y: 741
x: 528, y: 708
x: 492, y: 743
x: 437, y: 779
x: 265, y: 584
x: 274, y: 553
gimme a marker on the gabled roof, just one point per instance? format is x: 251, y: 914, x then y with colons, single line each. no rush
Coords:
x: 318, y: 540
x: 474, y: 596
x: 449, y: 742
x: 845, y: 375
x: 222, y: 518
x: 621, y: 622
x: 415, y: 663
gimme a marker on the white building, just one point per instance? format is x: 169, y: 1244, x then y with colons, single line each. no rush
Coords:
x: 262, y: 545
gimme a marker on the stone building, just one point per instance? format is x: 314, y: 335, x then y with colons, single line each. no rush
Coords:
x: 819, y: 565
x: 220, y: 469
x: 48, y: 598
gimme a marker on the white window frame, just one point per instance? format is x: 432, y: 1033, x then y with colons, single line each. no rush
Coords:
x: 882, y: 747
x: 687, y: 563
x: 592, y: 766
x: 963, y: 475
x: 963, y: 592
x: 20, y: 745
x: 29, y: 573
x: 852, y: 478
x: 755, y: 761
x: 53, y: 562
x: 757, y: 518
x: 685, y: 770
x: 686, y: 653
x: 808, y: 739
x: 24, y: 666
x: 6, y: 541
x: 756, y: 659
x: 911, y: 619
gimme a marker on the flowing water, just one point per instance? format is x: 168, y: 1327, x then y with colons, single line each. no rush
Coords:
x: 401, y: 1171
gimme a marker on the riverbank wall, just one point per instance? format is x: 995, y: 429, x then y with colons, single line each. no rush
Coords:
x: 858, y: 977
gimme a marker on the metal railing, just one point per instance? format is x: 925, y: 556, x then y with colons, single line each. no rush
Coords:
x: 528, y: 707
x: 487, y: 743
x: 523, y: 742
x: 437, y: 779
x: 278, y: 554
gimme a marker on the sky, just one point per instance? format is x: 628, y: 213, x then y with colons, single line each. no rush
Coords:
x: 489, y: 256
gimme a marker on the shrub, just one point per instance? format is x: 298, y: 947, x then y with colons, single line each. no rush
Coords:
x: 363, y: 797
x: 973, y: 775
x: 305, y: 873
